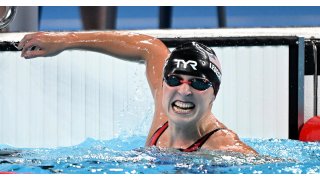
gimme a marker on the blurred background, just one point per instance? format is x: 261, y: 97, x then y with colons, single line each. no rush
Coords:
x: 66, y: 18
x: 67, y: 98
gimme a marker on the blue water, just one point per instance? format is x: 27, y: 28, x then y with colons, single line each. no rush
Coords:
x: 125, y: 155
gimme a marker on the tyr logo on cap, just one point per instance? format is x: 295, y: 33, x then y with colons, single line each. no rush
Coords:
x: 193, y: 64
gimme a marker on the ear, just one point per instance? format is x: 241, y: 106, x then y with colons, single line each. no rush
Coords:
x: 212, y: 100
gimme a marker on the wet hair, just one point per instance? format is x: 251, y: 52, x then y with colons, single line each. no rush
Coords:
x: 195, y: 59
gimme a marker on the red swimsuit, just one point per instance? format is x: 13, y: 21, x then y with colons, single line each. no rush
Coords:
x: 194, y: 147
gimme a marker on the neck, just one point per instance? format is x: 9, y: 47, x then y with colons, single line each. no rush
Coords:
x: 182, y: 135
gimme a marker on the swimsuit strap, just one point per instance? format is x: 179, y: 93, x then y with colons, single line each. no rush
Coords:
x: 197, y: 145
x: 194, y: 147
x: 157, y: 134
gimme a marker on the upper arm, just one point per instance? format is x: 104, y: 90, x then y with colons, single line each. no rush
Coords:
x: 155, y: 58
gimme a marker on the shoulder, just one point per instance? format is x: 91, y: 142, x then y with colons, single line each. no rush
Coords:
x: 226, y: 139
x: 223, y: 137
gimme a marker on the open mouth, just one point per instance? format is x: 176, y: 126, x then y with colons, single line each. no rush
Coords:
x: 182, y: 107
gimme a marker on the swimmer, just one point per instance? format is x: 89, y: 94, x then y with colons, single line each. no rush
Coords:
x: 184, y: 84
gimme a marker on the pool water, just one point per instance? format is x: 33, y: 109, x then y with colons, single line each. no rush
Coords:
x: 127, y: 155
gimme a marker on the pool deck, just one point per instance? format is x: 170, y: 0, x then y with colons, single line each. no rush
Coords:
x: 307, y: 32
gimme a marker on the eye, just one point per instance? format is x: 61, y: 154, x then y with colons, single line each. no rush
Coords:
x: 201, y: 84
x: 173, y: 80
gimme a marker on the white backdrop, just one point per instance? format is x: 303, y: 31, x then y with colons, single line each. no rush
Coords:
x: 61, y: 100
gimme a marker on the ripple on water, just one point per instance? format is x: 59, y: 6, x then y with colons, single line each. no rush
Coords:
x: 126, y: 155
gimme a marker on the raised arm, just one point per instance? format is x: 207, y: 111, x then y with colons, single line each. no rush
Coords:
x: 123, y: 45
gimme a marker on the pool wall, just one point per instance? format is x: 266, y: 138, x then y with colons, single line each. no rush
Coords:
x: 62, y: 100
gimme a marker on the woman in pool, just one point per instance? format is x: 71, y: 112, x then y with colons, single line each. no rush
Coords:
x: 184, y: 84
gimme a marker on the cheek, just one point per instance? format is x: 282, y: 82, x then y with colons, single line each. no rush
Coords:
x: 168, y: 91
x: 206, y: 97
x: 166, y: 95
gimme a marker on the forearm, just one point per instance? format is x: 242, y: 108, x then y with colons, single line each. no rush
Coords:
x: 119, y: 44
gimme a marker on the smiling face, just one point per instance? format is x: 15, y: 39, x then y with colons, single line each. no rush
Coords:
x: 184, y: 104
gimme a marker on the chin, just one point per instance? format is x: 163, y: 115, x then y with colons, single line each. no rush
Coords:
x: 181, y: 118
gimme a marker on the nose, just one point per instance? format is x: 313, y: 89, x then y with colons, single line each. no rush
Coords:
x: 185, y: 89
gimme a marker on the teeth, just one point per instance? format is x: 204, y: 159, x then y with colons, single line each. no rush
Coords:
x: 181, y: 111
x: 184, y: 105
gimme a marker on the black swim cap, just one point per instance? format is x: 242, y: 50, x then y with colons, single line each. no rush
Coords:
x: 195, y: 59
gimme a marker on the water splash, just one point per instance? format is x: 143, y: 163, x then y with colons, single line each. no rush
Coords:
x: 127, y: 155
